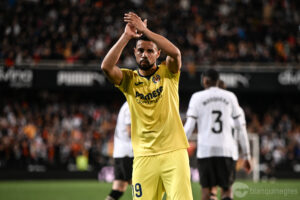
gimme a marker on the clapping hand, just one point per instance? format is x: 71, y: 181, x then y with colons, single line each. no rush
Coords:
x: 135, y: 27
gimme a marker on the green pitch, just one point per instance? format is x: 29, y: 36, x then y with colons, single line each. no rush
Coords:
x: 93, y: 190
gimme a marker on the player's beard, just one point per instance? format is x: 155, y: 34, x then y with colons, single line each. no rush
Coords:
x: 146, y: 65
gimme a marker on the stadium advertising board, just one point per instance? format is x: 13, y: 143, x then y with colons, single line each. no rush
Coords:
x: 12, y: 78
x: 79, y: 78
x: 279, y: 81
x: 16, y: 78
x: 290, y: 77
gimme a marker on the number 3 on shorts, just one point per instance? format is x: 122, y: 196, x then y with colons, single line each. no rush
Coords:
x: 137, y: 190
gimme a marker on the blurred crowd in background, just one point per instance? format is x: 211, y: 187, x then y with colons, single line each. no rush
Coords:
x: 39, y: 130
x: 278, y: 127
x: 206, y: 31
x: 43, y: 131
x: 53, y: 130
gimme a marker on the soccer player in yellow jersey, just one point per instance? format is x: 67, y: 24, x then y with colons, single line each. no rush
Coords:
x: 159, y: 143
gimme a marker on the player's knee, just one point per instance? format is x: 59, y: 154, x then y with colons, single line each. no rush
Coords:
x: 119, y: 185
x: 213, y: 196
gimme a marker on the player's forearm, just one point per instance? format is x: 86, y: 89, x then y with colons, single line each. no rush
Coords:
x: 244, y: 142
x: 112, y: 57
x: 189, y: 126
x: 164, y: 44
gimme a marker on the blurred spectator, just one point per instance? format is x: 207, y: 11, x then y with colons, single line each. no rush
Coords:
x: 206, y: 31
x: 53, y: 130
x: 40, y: 131
x: 279, y: 137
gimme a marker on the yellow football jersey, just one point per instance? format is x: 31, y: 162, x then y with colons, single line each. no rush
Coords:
x: 156, y: 126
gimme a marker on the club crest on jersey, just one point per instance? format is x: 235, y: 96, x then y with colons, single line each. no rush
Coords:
x: 156, y: 78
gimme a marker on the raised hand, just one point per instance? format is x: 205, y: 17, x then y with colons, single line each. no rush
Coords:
x: 134, y: 20
x: 131, y: 31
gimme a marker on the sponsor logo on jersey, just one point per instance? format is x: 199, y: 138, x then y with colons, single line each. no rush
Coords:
x: 156, y: 78
x: 151, y: 97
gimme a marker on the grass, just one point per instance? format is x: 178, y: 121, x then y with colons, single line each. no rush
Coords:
x: 93, y: 190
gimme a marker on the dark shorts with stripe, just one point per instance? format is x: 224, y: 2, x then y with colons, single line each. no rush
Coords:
x: 217, y: 171
x: 123, y: 168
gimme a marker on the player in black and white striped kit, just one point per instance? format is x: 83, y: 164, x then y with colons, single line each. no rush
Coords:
x: 214, y: 110
x: 123, y: 154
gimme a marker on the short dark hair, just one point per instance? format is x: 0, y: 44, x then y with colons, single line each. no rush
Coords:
x: 145, y: 38
x: 212, y: 74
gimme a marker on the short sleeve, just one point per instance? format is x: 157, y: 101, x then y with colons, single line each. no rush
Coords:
x: 171, y: 75
x: 236, y: 111
x: 243, y: 118
x: 193, y: 107
x: 125, y: 83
